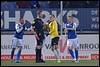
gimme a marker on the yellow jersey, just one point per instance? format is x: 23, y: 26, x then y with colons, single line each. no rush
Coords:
x: 53, y: 27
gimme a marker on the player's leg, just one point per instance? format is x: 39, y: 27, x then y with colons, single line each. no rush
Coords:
x: 20, y: 43
x: 76, y: 54
x: 42, y: 37
x: 76, y: 48
x: 55, y: 48
x: 70, y: 48
x: 39, y: 49
x: 12, y: 54
x: 39, y: 54
x: 14, y: 42
x: 58, y: 53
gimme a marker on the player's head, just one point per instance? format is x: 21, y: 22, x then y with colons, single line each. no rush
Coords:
x: 40, y: 14
x: 69, y: 18
x: 21, y: 20
x: 52, y: 17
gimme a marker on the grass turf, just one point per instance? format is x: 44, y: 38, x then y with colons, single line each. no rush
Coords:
x: 52, y: 63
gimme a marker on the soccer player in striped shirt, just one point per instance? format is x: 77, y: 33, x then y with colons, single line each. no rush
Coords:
x: 72, y: 40
x: 18, y: 39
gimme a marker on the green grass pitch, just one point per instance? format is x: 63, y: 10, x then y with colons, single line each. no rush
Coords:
x: 52, y: 63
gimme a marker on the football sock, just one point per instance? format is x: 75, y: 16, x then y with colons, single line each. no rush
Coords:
x: 76, y: 53
x: 12, y: 53
x: 18, y: 55
x: 58, y: 55
x: 38, y: 54
x: 55, y: 53
x: 72, y: 53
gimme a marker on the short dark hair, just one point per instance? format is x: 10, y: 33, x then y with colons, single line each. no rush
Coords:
x: 52, y: 15
x: 20, y: 18
x: 71, y: 15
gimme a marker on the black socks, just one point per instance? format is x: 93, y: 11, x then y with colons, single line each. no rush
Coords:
x: 38, y: 54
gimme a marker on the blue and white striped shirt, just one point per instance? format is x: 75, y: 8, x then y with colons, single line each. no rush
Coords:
x: 19, y: 30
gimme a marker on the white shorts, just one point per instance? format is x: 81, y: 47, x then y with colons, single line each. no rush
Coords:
x: 73, y: 43
x: 16, y: 42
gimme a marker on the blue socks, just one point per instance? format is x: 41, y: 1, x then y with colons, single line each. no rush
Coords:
x: 18, y: 55
x: 76, y: 54
x: 12, y: 53
x: 72, y: 53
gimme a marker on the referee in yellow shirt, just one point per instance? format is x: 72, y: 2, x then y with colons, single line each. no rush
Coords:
x: 53, y: 32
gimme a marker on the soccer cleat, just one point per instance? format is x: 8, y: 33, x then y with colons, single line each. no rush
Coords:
x: 77, y: 61
x: 73, y: 60
x: 40, y: 61
x: 17, y: 61
x: 11, y: 61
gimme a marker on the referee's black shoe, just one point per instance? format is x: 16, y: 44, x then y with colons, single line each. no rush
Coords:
x: 40, y: 61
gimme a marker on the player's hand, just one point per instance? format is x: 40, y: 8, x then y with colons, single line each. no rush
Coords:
x: 65, y: 31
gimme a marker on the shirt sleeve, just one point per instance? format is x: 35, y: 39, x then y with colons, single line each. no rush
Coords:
x: 64, y: 25
x: 18, y: 28
x: 74, y: 25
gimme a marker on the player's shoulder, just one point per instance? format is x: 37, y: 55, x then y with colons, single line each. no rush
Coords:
x: 54, y: 21
x: 16, y: 24
x: 37, y: 19
x: 67, y: 24
x: 74, y: 24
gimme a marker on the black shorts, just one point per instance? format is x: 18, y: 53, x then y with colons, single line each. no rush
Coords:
x: 54, y: 41
x: 40, y: 40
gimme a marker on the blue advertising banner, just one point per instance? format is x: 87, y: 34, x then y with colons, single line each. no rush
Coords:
x: 88, y: 17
